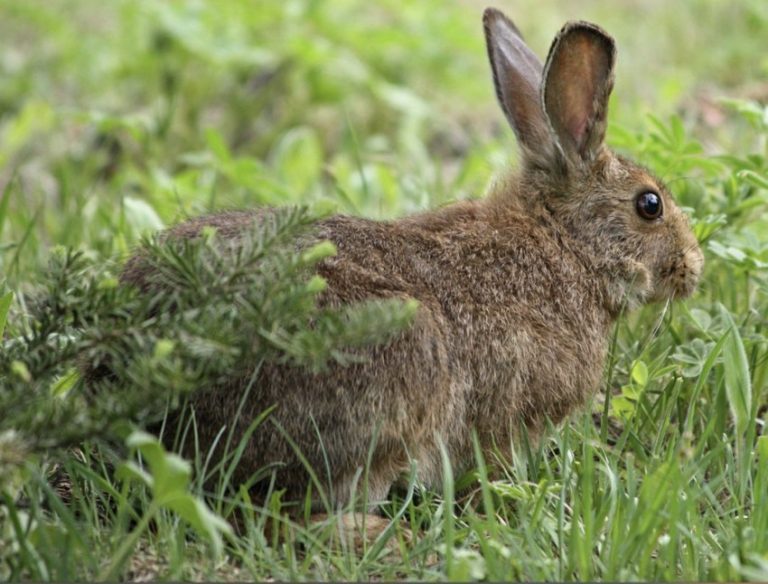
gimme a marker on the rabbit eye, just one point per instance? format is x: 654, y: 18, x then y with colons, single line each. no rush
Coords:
x: 648, y: 205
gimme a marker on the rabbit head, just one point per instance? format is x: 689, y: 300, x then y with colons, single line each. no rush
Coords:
x: 624, y: 219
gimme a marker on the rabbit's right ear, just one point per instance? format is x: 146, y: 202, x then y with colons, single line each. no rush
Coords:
x: 517, y: 78
x: 578, y: 79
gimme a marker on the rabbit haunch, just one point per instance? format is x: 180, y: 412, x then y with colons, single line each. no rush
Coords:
x: 517, y: 294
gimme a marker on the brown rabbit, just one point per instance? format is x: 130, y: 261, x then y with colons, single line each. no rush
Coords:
x: 517, y: 294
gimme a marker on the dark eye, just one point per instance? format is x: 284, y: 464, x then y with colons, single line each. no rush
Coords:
x: 648, y: 205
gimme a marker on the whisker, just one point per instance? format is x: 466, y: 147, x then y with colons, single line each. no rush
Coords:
x: 689, y: 248
x: 652, y: 335
x: 691, y: 178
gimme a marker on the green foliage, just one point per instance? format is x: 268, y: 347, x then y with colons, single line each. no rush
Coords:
x: 88, y: 356
x: 119, y: 118
x: 168, y: 479
x: 88, y: 353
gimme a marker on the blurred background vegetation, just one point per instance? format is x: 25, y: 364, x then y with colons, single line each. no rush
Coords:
x: 118, y: 118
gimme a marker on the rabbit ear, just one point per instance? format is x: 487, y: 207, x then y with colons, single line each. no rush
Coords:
x: 578, y: 79
x: 517, y: 78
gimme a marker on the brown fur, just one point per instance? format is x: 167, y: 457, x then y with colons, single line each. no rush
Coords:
x: 517, y: 294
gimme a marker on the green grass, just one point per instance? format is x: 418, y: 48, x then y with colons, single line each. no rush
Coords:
x: 122, y: 117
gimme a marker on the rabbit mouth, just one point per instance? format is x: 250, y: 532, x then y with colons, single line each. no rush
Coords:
x: 680, y: 278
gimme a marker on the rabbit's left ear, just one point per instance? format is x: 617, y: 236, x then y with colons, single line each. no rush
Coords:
x: 517, y: 79
x: 578, y: 78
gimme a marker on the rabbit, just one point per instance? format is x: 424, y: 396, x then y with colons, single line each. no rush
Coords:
x: 517, y: 294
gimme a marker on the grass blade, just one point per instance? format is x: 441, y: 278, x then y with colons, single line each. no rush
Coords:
x: 738, y: 386
x: 5, y: 305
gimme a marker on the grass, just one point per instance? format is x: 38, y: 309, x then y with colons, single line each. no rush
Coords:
x: 118, y: 118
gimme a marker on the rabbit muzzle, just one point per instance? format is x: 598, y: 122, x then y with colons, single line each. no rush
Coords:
x: 681, y: 276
